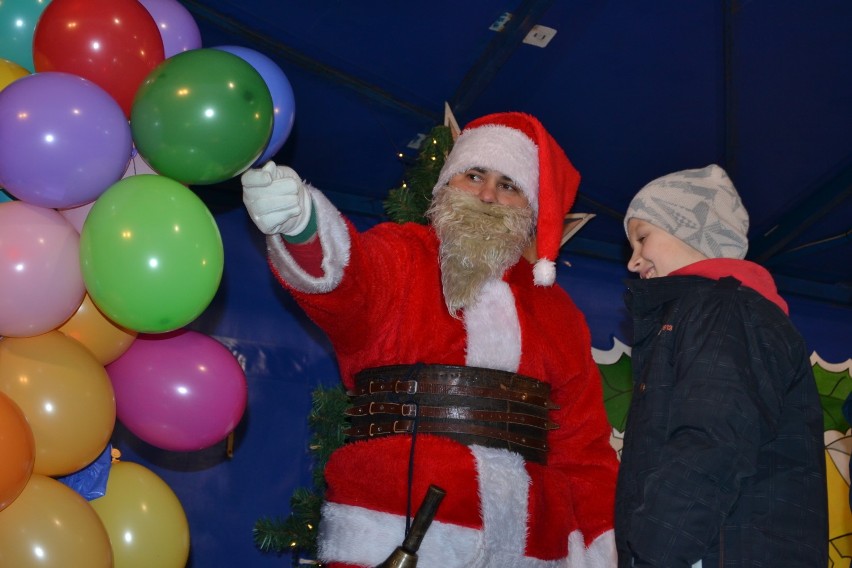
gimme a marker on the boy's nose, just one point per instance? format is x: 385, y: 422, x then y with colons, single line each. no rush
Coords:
x: 635, y: 262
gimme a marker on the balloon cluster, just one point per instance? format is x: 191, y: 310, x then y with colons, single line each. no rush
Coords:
x: 109, y: 111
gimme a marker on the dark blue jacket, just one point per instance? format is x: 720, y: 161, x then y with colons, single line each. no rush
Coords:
x: 723, y: 456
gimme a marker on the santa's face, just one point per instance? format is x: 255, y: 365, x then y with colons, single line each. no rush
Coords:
x: 480, y: 239
x: 490, y: 186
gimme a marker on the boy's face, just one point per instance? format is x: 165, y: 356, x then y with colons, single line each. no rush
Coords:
x: 657, y: 252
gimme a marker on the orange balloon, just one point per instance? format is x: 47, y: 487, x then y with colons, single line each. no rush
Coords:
x: 66, y: 396
x: 10, y: 72
x: 51, y: 526
x: 144, y: 518
x: 106, y: 339
x: 18, y: 451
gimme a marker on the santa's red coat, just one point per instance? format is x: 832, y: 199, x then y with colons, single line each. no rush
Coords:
x: 379, y: 299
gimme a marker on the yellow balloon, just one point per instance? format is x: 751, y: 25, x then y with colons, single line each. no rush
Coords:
x: 50, y: 525
x: 144, y: 518
x: 106, y: 339
x: 66, y: 396
x: 10, y: 72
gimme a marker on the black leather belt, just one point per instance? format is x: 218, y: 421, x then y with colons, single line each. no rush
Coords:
x: 472, y: 405
x: 407, y: 427
x: 450, y: 412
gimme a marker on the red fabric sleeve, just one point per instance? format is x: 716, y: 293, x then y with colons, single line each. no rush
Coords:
x: 308, y: 255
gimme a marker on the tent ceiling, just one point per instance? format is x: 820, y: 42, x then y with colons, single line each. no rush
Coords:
x: 632, y: 91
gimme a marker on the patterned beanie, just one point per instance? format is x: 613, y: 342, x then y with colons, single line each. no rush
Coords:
x: 700, y: 207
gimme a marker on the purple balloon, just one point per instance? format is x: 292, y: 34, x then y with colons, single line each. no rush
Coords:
x: 179, y: 391
x: 283, y: 101
x: 63, y: 140
x: 177, y: 26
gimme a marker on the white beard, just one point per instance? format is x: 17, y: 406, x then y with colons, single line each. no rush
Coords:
x: 478, y: 242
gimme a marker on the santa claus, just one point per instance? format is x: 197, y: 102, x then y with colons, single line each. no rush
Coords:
x: 468, y: 368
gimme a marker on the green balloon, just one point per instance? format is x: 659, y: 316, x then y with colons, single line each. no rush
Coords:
x: 202, y: 116
x: 151, y: 254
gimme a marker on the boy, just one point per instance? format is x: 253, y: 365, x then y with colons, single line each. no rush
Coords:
x: 723, y: 461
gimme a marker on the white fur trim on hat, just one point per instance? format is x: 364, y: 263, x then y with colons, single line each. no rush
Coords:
x: 495, y: 147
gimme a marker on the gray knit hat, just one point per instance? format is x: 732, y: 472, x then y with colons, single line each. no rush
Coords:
x: 700, y: 207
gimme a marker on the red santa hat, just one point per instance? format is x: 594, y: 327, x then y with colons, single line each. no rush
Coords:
x: 518, y: 146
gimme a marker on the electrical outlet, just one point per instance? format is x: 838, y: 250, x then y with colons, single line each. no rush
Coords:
x: 540, y: 36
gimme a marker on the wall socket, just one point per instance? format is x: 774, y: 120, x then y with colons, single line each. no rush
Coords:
x: 540, y: 36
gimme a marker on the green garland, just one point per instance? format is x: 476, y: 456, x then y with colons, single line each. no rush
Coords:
x: 297, y: 533
x: 409, y: 202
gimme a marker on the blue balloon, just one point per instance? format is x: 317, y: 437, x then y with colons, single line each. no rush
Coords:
x: 283, y: 102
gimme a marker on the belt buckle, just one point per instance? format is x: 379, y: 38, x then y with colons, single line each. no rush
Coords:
x: 379, y: 408
x: 408, y: 410
x: 411, y: 387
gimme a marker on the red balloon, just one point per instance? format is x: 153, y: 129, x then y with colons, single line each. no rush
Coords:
x: 113, y: 43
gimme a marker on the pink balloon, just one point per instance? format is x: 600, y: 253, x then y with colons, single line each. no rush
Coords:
x: 41, y: 284
x: 179, y: 391
x: 177, y: 26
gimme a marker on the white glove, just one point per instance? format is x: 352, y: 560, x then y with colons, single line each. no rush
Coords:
x: 276, y: 199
